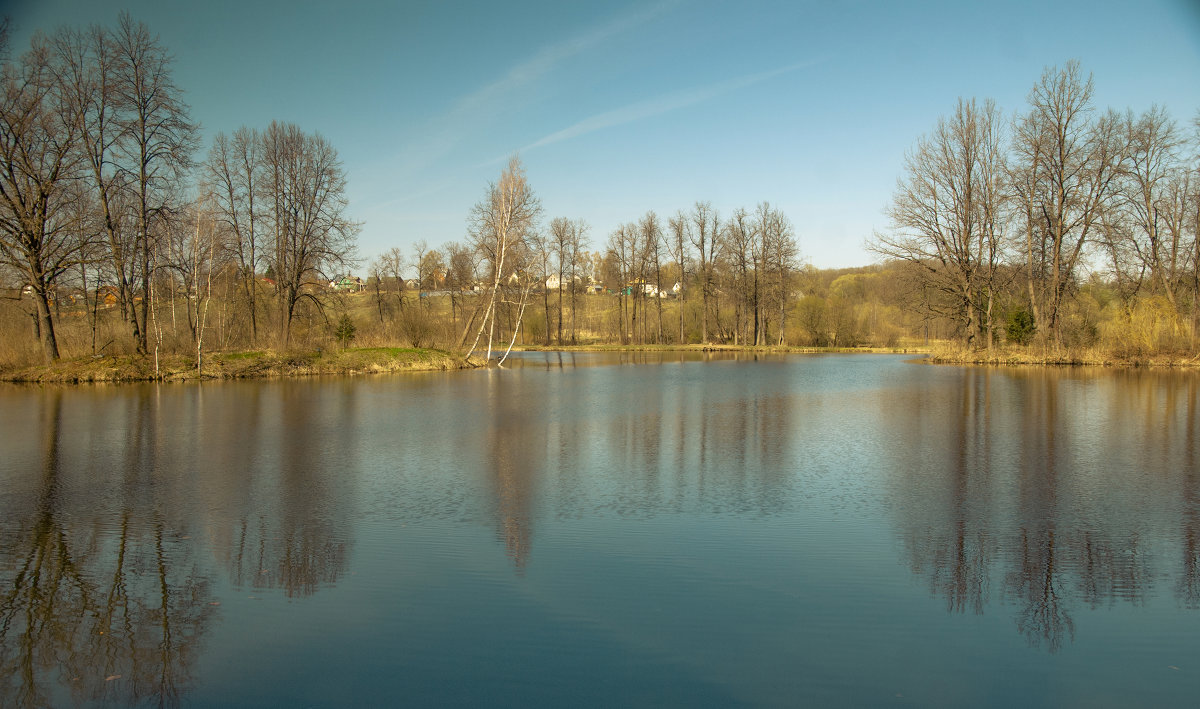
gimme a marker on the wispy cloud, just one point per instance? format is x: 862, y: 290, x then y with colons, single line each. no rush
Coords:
x: 663, y: 104
x: 545, y: 60
x: 469, y: 110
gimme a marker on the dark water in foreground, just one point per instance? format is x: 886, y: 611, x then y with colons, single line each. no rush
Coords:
x: 595, y: 530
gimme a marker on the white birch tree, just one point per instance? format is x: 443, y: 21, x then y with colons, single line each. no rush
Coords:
x: 499, y: 224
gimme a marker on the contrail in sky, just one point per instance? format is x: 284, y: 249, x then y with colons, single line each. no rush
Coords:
x: 467, y: 110
x: 545, y: 60
x: 662, y: 104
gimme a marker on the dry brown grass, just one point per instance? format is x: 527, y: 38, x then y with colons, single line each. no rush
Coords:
x: 237, y: 365
x: 1146, y: 336
x: 1070, y: 356
x: 900, y: 348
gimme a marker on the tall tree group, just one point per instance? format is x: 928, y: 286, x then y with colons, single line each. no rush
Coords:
x: 1025, y: 210
x: 97, y: 189
x: 751, y: 260
x: 1061, y: 225
x: 281, y: 193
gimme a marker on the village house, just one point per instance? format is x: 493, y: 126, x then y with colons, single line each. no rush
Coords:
x: 352, y: 284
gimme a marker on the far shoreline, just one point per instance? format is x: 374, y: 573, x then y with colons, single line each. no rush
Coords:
x: 254, y: 364
x: 269, y: 364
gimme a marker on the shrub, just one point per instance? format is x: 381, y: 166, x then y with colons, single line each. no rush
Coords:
x: 1020, y: 327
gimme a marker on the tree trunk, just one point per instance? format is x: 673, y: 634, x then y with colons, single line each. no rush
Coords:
x: 45, y: 324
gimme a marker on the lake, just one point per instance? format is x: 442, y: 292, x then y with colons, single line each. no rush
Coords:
x: 599, y: 529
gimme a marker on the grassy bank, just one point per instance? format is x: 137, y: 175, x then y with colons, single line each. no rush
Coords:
x: 379, y: 360
x: 1025, y: 356
x: 238, y: 365
x: 942, y: 352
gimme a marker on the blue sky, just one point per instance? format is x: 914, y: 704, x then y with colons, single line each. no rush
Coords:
x: 618, y: 108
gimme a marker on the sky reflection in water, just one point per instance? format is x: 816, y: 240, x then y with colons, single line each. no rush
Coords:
x: 606, y: 529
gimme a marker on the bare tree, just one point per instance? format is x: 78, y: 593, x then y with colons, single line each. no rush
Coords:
x: 1128, y: 270
x: 779, y: 261
x: 375, y: 281
x: 945, y: 211
x: 460, y: 277
x: 1148, y: 186
x: 577, y: 255
x: 159, y: 138
x: 90, y: 64
x: 1193, y: 221
x: 499, y: 224
x: 304, y: 189
x: 652, y: 243
x: 38, y: 157
x: 1074, y: 176
x: 1184, y: 198
x: 562, y: 231
x: 541, y: 248
x: 567, y: 239
x: 392, y: 267
x: 680, y: 236
x: 523, y: 281
x: 1025, y: 176
x: 190, y: 248
x: 433, y: 269
x: 234, y: 171
x: 387, y: 282
x: 743, y: 260
x: 84, y: 220
x: 761, y: 227
x: 622, y: 247
x: 705, y: 238
x: 420, y: 264
x: 992, y: 213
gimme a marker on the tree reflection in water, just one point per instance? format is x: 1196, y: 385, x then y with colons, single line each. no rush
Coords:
x: 1189, y: 581
x: 103, y: 598
x: 579, y: 445
x: 1032, y: 496
x: 515, y: 450
x: 288, y: 467
x: 93, y: 604
x: 1040, y: 482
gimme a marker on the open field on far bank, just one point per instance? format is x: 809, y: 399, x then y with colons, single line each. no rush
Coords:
x: 238, y: 365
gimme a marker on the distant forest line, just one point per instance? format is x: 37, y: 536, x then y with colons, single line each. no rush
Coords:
x: 1059, y: 229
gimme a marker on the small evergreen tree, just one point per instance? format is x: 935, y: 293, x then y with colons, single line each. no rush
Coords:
x: 1020, y: 327
x: 345, y: 330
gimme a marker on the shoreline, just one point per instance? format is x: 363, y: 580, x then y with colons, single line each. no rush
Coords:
x: 269, y: 364
x: 930, y: 354
x: 763, y: 349
x: 1065, y: 358
x: 255, y: 364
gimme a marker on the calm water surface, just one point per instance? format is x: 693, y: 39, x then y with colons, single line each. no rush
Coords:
x: 607, y: 530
